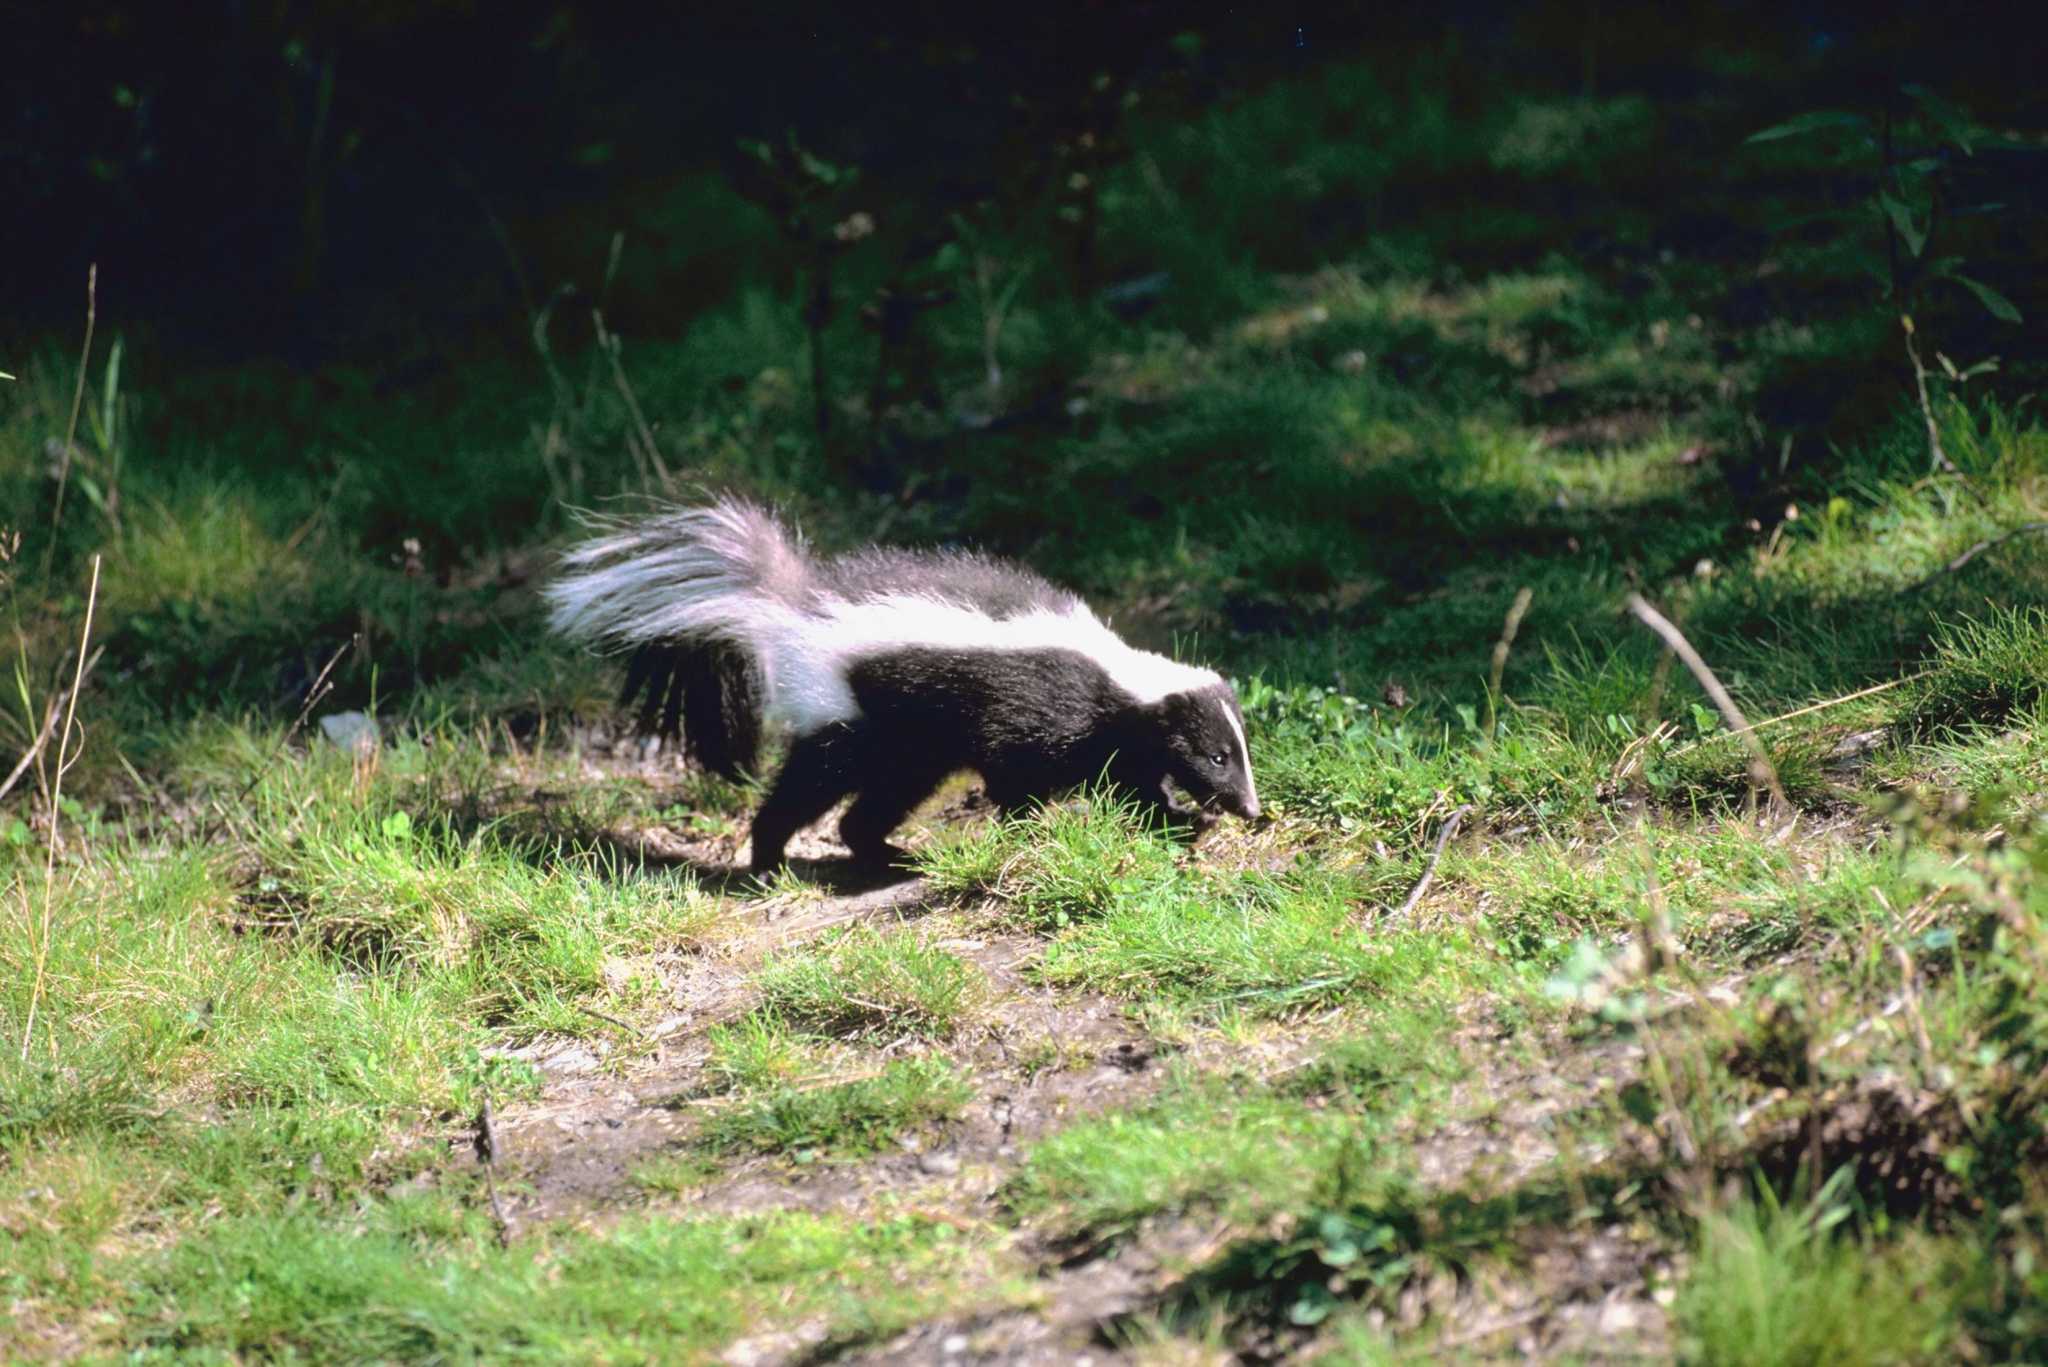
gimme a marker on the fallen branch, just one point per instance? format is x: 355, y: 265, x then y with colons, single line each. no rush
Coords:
x: 2024, y: 529
x: 1443, y: 838
x: 1761, y: 770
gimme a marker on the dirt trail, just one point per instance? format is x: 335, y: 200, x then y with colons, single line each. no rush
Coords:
x: 1038, y: 1060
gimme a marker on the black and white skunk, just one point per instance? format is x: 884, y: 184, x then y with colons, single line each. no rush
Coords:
x: 892, y: 669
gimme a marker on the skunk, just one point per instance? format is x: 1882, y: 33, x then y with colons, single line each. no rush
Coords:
x: 891, y: 669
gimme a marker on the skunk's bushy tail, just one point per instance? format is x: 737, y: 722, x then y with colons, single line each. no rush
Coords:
x: 699, y: 596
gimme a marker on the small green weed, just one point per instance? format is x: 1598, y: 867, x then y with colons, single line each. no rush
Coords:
x: 1063, y: 864
x: 1789, y: 1286
x: 757, y: 1051
x: 842, y: 1119
x: 863, y: 983
x: 1986, y: 670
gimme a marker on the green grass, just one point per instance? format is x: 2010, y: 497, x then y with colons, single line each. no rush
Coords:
x: 1784, y: 1286
x: 862, y: 983
x: 426, y: 1283
x: 842, y: 1118
x: 1379, y: 396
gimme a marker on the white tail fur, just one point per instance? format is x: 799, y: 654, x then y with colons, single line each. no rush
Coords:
x: 731, y: 571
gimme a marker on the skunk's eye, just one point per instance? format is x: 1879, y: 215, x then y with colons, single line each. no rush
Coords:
x: 1218, y: 759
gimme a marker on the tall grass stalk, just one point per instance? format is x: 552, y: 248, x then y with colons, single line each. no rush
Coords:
x: 66, y: 757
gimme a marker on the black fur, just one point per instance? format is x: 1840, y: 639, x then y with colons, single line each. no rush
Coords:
x: 702, y: 694
x: 692, y: 590
x: 1031, y: 723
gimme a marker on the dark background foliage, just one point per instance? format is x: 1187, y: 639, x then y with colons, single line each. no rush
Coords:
x: 309, y: 178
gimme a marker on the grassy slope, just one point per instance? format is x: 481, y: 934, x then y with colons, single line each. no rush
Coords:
x: 1761, y: 1083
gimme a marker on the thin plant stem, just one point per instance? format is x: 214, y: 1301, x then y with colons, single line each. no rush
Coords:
x: 66, y: 757
x: 92, y: 292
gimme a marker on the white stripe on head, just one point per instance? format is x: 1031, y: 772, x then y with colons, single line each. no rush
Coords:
x: 1243, y: 748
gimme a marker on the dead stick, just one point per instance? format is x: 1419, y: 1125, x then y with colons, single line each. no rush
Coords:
x: 1939, y: 457
x: 1760, y: 759
x: 609, y: 1020
x: 1443, y: 838
x: 35, y: 748
x: 2024, y: 529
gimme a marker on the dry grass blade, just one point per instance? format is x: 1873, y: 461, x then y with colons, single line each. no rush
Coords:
x: 1811, y: 708
x: 92, y: 281
x: 1508, y: 630
x: 66, y: 757
x: 1762, y: 772
x: 36, y: 747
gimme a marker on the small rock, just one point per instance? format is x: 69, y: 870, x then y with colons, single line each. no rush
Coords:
x: 1351, y: 363
x: 938, y: 1164
x: 353, y: 731
x: 954, y: 1345
x: 1858, y: 743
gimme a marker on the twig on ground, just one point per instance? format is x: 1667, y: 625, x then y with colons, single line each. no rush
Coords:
x: 487, y: 1154
x: 1486, y: 1329
x: 1443, y: 838
x: 2024, y: 529
x: 609, y: 1020
x: 1761, y: 770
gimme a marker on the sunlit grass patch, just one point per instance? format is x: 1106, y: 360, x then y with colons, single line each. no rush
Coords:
x: 841, y: 1118
x: 1782, y: 1285
x: 1222, y: 1148
x: 865, y: 983
x: 1724, y: 883
x: 650, y: 1287
x: 1066, y: 862
x: 1241, y: 1147
x: 1261, y: 944
x: 1986, y: 669
x: 514, y: 943
x: 759, y: 1051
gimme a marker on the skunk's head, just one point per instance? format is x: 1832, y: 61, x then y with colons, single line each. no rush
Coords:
x: 1205, y: 746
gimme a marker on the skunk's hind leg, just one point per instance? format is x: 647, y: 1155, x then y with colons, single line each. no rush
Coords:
x: 886, y: 797
x: 818, y: 772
